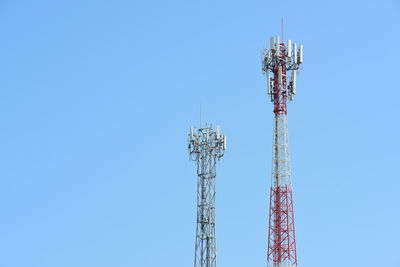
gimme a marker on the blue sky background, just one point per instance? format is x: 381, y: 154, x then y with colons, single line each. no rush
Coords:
x: 95, y: 102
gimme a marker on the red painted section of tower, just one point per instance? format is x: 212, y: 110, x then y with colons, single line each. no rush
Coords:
x: 281, y: 234
x: 280, y: 96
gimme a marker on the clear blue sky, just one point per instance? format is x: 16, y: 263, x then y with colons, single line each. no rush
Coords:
x: 95, y: 102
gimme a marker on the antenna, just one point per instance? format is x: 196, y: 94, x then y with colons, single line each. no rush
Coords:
x: 200, y: 116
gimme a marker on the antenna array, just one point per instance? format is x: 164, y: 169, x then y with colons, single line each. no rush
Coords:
x: 278, y: 60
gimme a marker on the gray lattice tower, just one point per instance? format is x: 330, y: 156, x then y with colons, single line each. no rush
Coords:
x: 206, y: 147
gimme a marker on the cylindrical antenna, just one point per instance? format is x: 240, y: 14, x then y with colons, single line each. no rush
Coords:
x: 277, y: 45
x: 224, y: 142
x: 301, y: 54
x: 269, y: 83
x: 289, y: 48
x: 294, y: 82
x: 271, y: 43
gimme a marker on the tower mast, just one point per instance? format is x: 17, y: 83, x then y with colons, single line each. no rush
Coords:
x: 206, y: 148
x: 277, y: 62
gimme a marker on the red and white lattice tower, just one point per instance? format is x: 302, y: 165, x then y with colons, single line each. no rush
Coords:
x: 278, y: 62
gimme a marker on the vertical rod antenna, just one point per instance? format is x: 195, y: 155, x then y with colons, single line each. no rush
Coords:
x: 200, y: 115
x: 283, y: 40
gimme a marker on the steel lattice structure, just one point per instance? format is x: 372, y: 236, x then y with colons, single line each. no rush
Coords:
x: 277, y: 62
x: 206, y: 147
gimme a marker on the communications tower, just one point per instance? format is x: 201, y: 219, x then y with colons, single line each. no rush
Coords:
x: 278, y: 61
x: 206, y: 148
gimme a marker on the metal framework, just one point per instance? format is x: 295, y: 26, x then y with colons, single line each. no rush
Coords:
x: 206, y: 147
x: 277, y: 62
